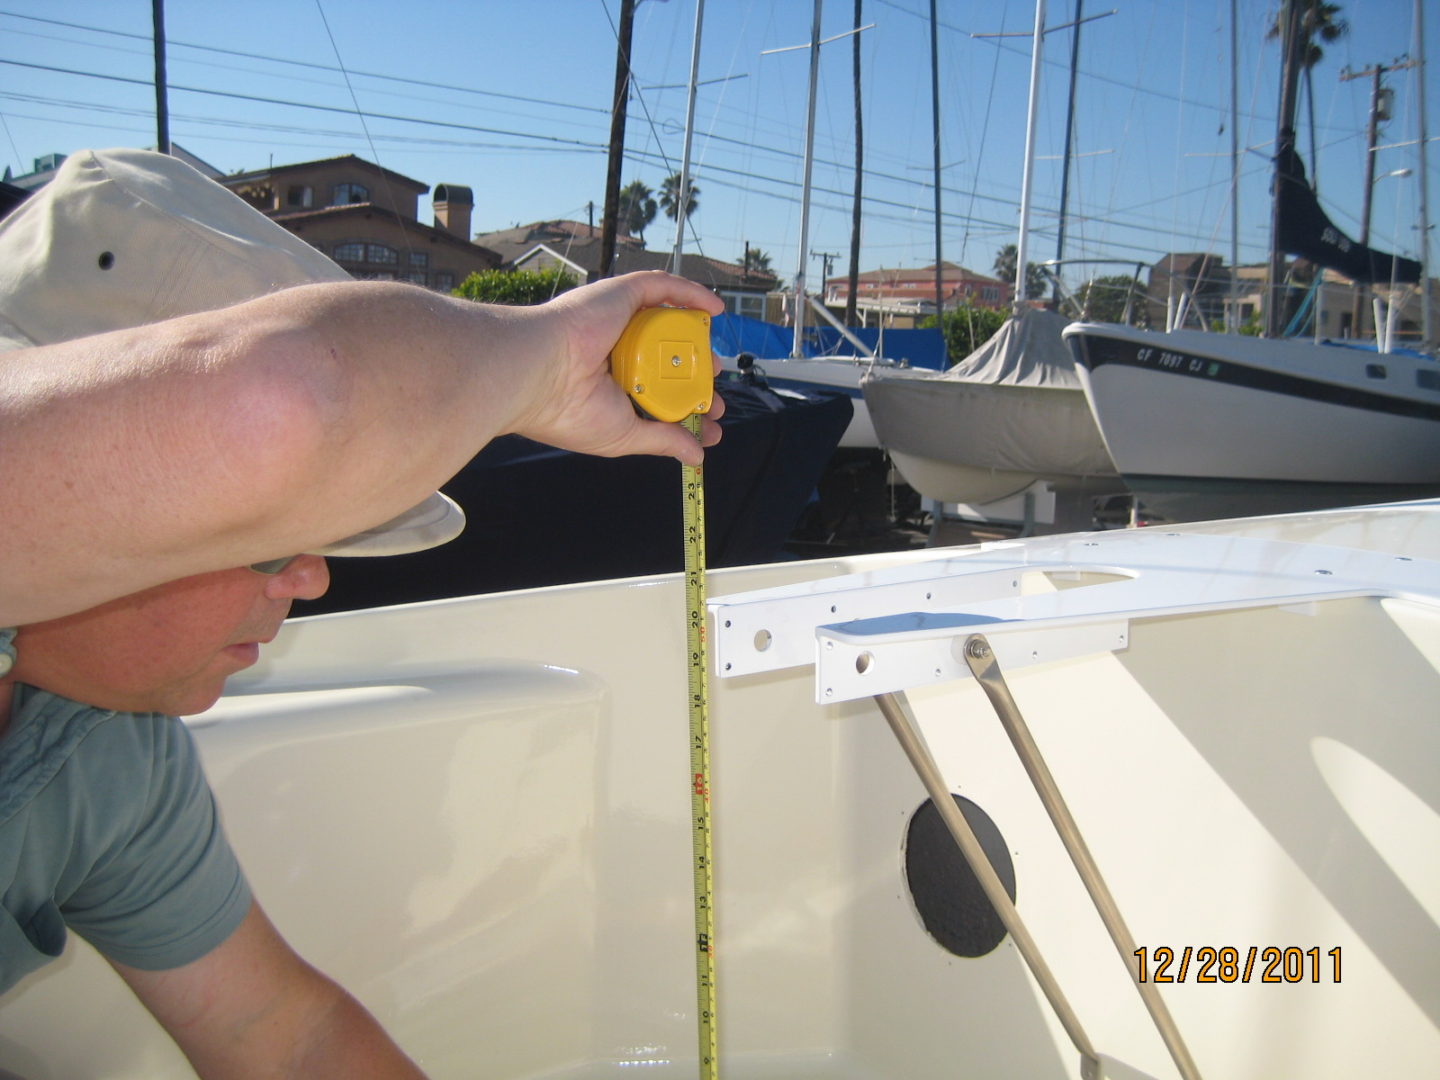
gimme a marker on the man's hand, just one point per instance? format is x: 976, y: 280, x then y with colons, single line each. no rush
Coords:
x: 251, y: 1009
x: 579, y: 406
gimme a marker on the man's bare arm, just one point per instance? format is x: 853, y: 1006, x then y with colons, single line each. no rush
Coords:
x: 288, y: 422
x: 251, y: 1009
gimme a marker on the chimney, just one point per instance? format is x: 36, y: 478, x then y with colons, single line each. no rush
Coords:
x: 453, y: 204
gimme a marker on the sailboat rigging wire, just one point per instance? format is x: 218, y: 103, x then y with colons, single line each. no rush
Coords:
x: 360, y: 115
x: 980, y: 155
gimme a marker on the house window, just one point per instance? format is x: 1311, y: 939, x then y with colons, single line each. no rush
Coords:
x: 300, y: 196
x: 367, y: 259
x: 416, y: 277
x: 444, y: 280
x: 350, y: 193
x: 419, y: 258
x: 751, y: 305
x: 990, y: 294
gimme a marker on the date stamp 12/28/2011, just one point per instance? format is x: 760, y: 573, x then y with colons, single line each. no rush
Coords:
x: 1228, y: 964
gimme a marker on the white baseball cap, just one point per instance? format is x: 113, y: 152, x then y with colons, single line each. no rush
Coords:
x: 122, y: 238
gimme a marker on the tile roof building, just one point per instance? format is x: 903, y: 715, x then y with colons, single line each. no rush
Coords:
x: 365, y: 218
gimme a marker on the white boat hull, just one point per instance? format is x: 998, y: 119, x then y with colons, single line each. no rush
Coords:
x: 1195, y: 406
x: 475, y: 814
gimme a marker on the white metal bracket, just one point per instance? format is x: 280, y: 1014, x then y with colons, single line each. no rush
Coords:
x: 895, y: 629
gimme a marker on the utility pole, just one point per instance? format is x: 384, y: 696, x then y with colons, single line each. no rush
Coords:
x: 1379, y: 113
x: 827, y: 260
x: 611, y: 214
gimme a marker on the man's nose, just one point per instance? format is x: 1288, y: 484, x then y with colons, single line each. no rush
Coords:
x: 306, y: 578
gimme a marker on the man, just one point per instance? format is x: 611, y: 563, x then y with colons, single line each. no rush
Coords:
x: 161, y: 477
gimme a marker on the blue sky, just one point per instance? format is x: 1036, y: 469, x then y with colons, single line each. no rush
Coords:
x: 512, y: 99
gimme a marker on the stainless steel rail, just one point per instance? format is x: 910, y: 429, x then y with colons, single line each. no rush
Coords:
x: 982, y: 663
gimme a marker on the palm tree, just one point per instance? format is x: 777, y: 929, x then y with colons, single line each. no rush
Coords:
x: 670, y: 197
x: 1005, y: 271
x: 1318, y: 20
x: 637, y: 208
x: 757, y: 262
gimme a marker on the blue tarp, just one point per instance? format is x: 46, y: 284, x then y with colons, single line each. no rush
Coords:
x: 734, y: 334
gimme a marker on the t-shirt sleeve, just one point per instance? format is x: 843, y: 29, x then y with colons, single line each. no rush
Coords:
x: 165, y: 888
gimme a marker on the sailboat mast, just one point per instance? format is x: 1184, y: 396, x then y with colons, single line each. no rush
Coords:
x: 1023, y: 243
x: 1233, y: 317
x: 1069, y: 138
x: 935, y: 142
x: 1284, y: 146
x: 1426, y: 301
x: 681, y: 215
x: 162, y: 93
x: 796, y: 350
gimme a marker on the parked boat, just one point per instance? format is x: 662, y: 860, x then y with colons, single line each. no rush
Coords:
x: 750, y: 345
x: 1009, y: 414
x: 1203, y: 424
x: 476, y: 814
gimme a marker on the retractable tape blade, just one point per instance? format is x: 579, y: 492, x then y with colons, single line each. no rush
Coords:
x: 663, y: 362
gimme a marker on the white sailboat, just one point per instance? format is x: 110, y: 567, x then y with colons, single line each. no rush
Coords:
x: 1201, y: 424
x: 476, y: 814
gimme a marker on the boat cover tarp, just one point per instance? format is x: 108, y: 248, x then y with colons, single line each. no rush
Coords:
x: 1045, y: 432
x: 1013, y: 405
x: 731, y: 335
x: 1027, y: 350
x: 539, y: 516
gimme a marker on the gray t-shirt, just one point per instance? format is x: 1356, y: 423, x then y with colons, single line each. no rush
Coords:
x: 107, y: 826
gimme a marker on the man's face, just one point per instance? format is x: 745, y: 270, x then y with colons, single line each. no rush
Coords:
x: 168, y: 649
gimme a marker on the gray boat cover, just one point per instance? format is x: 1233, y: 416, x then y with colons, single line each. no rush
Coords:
x: 1026, y: 351
x: 1013, y: 406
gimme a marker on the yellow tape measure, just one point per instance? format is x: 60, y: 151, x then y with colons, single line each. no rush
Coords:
x: 663, y: 362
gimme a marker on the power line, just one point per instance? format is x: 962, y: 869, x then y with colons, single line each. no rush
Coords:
x: 314, y: 66
x: 260, y: 99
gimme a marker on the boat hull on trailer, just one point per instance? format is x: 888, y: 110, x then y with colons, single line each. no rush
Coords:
x: 1189, y: 412
x: 475, y: 813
